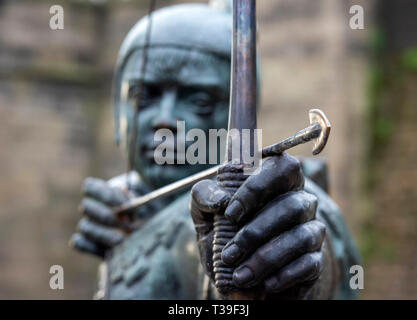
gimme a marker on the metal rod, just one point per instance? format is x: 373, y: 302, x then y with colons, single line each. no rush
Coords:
x: 167, y: 190
x: 301, y: 137
x: 242, y: 116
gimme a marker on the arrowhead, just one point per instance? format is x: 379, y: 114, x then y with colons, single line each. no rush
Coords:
x: 318, y: 116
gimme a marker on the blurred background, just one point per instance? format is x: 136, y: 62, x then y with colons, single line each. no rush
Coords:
x: 56, y: 126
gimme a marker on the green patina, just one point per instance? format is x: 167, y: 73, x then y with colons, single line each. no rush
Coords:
x: 187, y: 78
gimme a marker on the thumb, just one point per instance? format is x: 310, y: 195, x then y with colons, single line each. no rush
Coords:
x: 207, y: 199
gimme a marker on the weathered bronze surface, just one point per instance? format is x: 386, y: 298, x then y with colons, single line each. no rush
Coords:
x: 319, y: 124
x: 161, y: 259
x: 242, y: 115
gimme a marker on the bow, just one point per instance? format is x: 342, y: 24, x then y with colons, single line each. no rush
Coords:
x: 242, y: 116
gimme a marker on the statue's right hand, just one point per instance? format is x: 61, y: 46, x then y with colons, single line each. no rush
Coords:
x: 99, y: 229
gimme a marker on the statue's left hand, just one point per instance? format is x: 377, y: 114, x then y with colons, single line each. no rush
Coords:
x: 280, y: 240
x: 99, y: 230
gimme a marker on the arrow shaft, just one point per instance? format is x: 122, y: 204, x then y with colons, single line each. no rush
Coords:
x: 301, y: 137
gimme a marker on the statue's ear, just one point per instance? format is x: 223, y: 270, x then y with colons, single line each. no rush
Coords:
x: 316, y: 170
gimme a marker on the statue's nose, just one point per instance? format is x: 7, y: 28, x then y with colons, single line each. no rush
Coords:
x: 165, y: 119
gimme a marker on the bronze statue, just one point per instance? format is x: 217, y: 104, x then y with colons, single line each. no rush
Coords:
x: 292, y: 241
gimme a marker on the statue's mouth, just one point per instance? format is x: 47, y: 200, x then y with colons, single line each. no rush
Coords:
x: 162, y: 154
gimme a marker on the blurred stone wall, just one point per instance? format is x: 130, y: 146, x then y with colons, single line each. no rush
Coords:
x: 312, y: 59
x: 389, y: 228
x: 56, y: 126
x: 55, y: 130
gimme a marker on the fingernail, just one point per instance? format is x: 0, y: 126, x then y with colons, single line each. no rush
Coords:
x: 234, y: 211
x: 243, y: 276
x: 231, y: 253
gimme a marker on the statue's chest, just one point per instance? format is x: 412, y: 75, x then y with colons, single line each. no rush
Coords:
x: 160, y: 261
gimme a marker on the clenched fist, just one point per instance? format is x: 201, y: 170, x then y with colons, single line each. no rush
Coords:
x: 279, y: 243
x: 99, y: 230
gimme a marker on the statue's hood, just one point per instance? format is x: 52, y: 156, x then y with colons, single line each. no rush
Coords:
x: 188, y: 26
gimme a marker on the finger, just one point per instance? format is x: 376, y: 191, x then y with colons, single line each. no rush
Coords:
x: 99, y: 212
x: 305, y: 269
x: 207, y: 199
x: 278, y: 176
x: 100, y: 190
x: 284, y: 213
x: 279, y: 252
x: 99, y: 234
x: 80, y: 243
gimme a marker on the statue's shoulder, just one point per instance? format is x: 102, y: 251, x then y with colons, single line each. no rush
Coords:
x: 316, y: 170
x: 316, y: 182
x: 159, y: 261
x: 343, y: 246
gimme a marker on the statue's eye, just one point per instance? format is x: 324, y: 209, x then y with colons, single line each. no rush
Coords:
x: 147, y: 94
x: 203, y: 102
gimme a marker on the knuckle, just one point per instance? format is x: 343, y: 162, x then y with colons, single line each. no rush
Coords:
x: 83, y: 225
x: 209, y: 196
x: 264, y: 257
x: 75, y: 240
x: 115, y: 237
x: 271, y: 284
x: 108, y: 194
x: 88, y: 183
x: 314, y: 199
x: 249, y: 234
x: 89, y: 180
x: 289, y: 169
x: 308, y: 236
x: 198, y: 188
x: 309, y: 198
x: 293, y: 165
x: 315, y: 263
x: 87, y: 204
x: 313, y: 234
x: 287, y: 274
x: 117, y: 196
x: 97, y: 210
x: 296, y: 203
x: 314, y: 202
x: 202, y: 185
x: 82, y: 206
x: 85, y: 185
x: 321, y: 228
x: 308, y: 205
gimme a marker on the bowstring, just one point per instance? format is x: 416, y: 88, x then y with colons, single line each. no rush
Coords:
x: 132, y: 144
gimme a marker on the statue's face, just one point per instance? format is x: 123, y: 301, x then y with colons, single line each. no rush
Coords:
x: 179, y: 85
